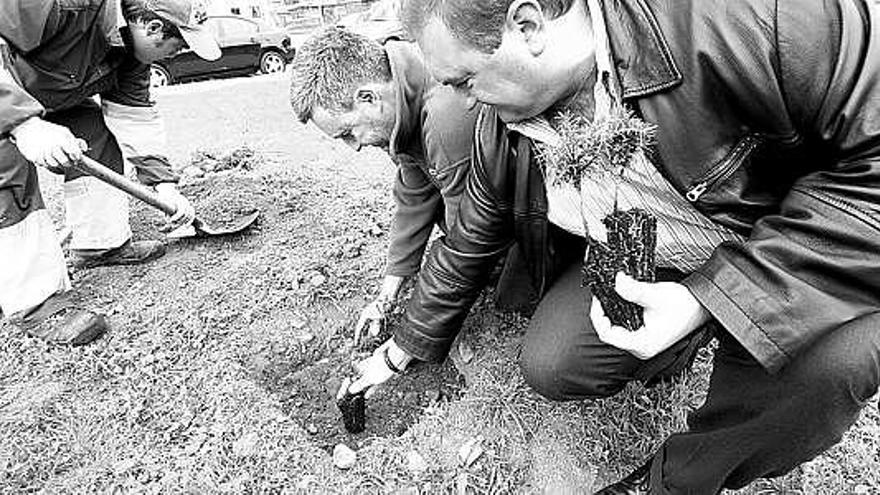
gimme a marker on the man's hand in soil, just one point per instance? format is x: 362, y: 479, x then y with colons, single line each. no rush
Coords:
x: 184, y: 214
x: 373, y: 316
x: 48, y: 145
x: 375, y: 371
x: 670, y: 313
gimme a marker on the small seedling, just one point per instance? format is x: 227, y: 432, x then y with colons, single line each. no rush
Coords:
x: 632, y: 239
x: 353, y: 408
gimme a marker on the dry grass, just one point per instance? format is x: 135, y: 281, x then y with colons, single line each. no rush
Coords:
x: 174, y: 400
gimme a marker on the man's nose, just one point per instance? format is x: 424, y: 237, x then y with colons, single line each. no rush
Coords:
x: 352, y: 143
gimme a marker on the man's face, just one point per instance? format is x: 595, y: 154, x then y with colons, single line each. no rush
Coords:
x: 147, y: 42
x: 369, y: 122
x: 510, y: 79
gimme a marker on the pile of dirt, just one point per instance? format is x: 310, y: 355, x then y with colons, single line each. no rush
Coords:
x: 224, y: 210
x: 241, y: 158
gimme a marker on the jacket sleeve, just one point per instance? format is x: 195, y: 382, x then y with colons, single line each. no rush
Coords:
x: 137, y: 124
x: 418, y: 207
x: 22, y: 30
x: 458, y: 266
x: 815, y: 264
x: 16, y: 105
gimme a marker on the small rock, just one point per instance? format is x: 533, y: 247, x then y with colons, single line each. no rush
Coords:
x: 416, y: 463
x: 343, y: 457
x: 461, y: 483
x: 125, y: 465
x: 298, y: 322
x: 193, y: 172
x: 304, y: 337
x: 317, y: 279
x: 376, y: 230
x: 432, y: 395
x: 470, y: 451
x: 407, y: 490
x: 312, y: 429
x: 466, y: 352
x: 862, y: 489
x: 246, y: 446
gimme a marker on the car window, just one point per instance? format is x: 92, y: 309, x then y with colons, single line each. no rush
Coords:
x: 237, y: 27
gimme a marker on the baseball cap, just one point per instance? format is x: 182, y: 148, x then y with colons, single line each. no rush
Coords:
x: 189, y: 16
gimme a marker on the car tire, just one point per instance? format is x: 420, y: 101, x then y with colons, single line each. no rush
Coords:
x: 272, y: 61
x: 159, y: 76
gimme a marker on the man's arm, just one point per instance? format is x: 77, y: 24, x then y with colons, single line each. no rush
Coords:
x: 138, y: 125
x: 816, y: 263
x: 40, y: 142
x: 418, y: 207
x: 458, y: 266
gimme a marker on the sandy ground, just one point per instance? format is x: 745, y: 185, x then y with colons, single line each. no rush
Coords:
x: 219, y: 372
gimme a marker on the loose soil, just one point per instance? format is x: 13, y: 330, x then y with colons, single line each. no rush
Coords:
x: 220, y: 371
x: 308, y: 393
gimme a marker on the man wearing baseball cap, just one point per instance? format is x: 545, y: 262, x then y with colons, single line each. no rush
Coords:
x: 55, y: 55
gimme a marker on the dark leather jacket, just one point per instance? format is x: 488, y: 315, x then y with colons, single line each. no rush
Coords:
x: 769, y: 123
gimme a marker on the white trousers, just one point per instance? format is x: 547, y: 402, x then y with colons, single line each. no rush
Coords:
x: 96, y: 213
x: 32, y: 265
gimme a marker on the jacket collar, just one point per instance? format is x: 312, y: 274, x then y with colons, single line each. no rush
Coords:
x: 640, y: 53
x: 411, y: 78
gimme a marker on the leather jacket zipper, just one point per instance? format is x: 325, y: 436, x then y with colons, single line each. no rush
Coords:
x: 724, y: 169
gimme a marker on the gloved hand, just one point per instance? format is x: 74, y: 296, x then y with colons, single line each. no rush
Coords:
x: 48, y: 145
x: 375, y: 370
x: 185, y: 213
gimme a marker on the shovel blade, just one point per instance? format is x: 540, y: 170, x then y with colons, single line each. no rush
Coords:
x: 203, y: 229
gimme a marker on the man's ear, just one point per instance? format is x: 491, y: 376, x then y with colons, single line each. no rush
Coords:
x: 525, y: 18
x: 366, y: 95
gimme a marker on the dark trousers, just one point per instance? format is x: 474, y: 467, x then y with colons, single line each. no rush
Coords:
x: 19, y: 187
x: 753, y: 424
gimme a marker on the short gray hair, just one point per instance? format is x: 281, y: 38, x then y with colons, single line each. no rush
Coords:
x: 330, y: 65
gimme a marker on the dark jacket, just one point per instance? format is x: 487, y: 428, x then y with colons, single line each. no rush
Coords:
x: 64, y: 51
x: 431, y: 145
x: 768, y: 118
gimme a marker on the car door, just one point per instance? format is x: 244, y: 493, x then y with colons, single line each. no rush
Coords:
x: 240, y: 43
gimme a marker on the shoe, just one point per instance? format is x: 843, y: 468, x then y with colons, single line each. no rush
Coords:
x: 637, y: 483
x: 57, y: 321
x: 130, y: 253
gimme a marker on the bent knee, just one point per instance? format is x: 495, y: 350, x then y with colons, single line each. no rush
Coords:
x: 564, y: 376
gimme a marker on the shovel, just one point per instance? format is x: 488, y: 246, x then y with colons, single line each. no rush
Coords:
x: 141, y: 192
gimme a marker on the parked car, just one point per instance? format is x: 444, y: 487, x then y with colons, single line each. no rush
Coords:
x: 380, y: 22
x: 246, y: 46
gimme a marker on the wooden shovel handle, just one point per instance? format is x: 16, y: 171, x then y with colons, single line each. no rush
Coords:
x: 119, y: 181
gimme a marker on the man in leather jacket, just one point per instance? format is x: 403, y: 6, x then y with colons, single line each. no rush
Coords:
x: 766, y: 118
x: 367, y: 94
x: 55, y: 57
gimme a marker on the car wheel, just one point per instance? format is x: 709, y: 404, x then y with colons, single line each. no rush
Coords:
x: 159, y: 76
x: 271, y: 62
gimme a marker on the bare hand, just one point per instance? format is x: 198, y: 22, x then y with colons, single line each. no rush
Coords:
x: 48, y: 145
x: 671, y: 312
x: 185, y: 213
x: 372, y: 318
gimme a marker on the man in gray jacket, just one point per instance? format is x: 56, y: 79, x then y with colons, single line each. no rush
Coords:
x: 367, y: 94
